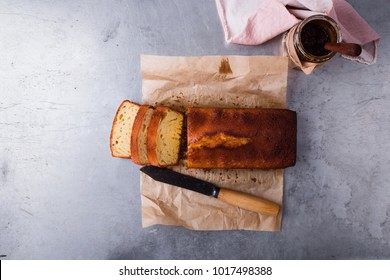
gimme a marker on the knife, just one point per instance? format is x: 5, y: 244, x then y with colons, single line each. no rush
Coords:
x: 236, y: 198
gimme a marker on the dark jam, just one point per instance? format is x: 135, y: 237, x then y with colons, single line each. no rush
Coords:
x: 313, y: 38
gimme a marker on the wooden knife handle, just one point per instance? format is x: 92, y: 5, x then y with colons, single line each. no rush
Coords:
x: 248, y: 202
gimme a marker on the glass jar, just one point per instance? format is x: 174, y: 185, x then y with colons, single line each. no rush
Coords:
x: 308, y: 38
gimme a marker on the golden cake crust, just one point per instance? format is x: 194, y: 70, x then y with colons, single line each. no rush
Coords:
x: 139, y: 118
x: 151, y: 143
x: 241, y: 138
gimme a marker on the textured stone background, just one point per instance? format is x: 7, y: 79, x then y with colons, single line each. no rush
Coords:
x: 65, y: 67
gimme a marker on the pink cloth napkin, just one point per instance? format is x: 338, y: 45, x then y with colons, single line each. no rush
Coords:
x: 253, y: 22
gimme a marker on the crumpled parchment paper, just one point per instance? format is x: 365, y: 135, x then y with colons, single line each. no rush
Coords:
x: 213, y: 81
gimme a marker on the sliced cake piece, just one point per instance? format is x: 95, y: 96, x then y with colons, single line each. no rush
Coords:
x: 121, y: 129
x: 164, y: 136
x: 139, y: 135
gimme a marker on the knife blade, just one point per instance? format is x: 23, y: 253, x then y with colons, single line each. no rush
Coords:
x: 243, y: 200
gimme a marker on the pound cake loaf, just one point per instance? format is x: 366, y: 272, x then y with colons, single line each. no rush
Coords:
x: 122, y: 128
x: 241, y: 138
x: 164, y: 136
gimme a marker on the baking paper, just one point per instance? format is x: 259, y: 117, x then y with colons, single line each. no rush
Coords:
x: 213, y: 81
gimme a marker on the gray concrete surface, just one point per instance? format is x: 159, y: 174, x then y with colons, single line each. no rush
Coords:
x: 66, y: 65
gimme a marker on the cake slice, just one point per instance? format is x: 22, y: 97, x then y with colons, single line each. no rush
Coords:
x: 164, y: 136
x: 121, y: 129
x: 139, y: 135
